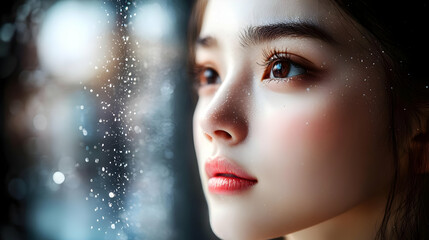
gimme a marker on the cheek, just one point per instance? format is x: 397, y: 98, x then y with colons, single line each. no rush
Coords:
x: 201, y: 144
x: 321, y: 150
x: 299, y: 131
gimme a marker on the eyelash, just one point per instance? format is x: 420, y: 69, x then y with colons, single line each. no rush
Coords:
x: 272, y: 56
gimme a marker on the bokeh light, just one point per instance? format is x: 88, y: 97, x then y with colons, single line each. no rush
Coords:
x: 69, y: 42
x: 96, y: 119
x: 58, y: 177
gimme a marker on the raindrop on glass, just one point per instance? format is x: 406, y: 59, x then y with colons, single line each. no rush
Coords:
x: 111, y: 195
x: 58, y: 177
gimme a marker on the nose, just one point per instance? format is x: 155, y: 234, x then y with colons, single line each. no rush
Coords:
x: 225, y: 120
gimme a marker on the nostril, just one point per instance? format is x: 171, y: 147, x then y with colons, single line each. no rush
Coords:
x: 223, y: 134
x: 208, y: 137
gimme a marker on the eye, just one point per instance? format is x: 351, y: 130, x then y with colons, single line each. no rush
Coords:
x: 280, y: 69
x: 206, y: 76
x: 279, y: 66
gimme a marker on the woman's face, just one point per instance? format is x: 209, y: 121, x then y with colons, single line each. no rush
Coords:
x: 291, y: 126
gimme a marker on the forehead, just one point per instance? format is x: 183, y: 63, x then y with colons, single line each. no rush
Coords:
x: 230, y: 14
x: 226, y: 19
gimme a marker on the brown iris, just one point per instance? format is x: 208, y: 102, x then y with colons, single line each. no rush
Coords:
x: 279, y: 69
x: 208, y: 76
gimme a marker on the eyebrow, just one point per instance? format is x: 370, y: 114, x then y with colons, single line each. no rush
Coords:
x: 254, y: 35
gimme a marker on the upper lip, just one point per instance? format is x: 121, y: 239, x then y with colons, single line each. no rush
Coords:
x: 221, y: 166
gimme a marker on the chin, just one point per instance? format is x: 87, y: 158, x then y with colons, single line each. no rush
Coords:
x: 240, y: 226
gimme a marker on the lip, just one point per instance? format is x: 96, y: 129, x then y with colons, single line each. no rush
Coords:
x: 226, y: 177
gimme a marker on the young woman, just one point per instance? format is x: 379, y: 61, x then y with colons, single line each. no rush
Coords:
x: 311, y: 121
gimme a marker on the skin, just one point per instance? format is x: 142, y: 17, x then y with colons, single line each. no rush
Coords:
x: 317, y: 143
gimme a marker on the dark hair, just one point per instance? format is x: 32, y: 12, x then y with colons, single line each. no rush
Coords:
x: 397, y: 29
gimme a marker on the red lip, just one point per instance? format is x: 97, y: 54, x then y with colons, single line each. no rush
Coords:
x: 225, y: 177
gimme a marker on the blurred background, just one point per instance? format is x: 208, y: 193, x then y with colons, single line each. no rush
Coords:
x: 96, y: 122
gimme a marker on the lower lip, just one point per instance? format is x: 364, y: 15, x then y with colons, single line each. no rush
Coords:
x: 229, y: 185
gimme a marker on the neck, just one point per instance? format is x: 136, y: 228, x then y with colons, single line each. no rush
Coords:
x: 361, y: 222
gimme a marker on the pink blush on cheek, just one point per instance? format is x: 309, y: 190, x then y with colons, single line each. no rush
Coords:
x: 298, y: 132
x: 302, y: 147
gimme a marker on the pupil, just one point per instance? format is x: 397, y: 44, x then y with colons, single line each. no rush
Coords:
x: 280, y: 70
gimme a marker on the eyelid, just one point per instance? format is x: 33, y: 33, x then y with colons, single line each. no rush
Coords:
x: 201, y: 65
x: 271, y: 55
x: 198, y: 68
